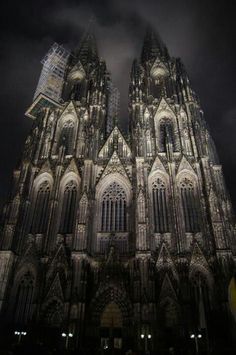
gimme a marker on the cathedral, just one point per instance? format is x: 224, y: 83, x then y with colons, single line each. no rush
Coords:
x: 114, y: 241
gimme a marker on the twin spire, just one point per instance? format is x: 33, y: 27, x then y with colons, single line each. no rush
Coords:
x: 153, y: 47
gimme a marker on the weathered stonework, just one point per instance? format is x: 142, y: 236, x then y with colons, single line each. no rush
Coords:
x: 134, y: 229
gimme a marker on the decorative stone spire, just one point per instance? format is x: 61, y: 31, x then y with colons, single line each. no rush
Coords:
x: 142, y: 228
x: 87, y: 52
x: 153, y: 47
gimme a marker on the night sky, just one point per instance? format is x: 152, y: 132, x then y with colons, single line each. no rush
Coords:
x: 202, y: 33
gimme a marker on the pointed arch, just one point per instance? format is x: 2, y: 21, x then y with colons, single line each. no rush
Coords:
x: 68, y: 202
x: 66, y: 133
x: 114, y: 208
x: 166, y: 127
x: 199, y: 271
x: 201, y: 282
x: 159, y: 197
x: 166, y: 134
x: 113, y: 198
x: 111, y: 295
x: 165, y: 265
x: 40, y: 202
x: 66, y: 136
x: 24, y: 286
x: 168, y: 304
x: 68, y: 208
x: 189, y: 199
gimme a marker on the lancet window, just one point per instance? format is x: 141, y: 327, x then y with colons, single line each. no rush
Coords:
x: 160, y: 210
x: 114, y: 209
x: 189, y: 205
x: 68, y: 208
x: 41, y: 209
x: 66, y: 137
x: 24, y: 299
x: 166, y: 135
x: 77, y: 90
x: 200, y: 293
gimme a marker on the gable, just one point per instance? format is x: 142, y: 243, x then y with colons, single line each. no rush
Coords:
x: 157, y: 166
x: 115, y: 141
x: 164, y: 110
x: 46, y: 168
x: 69, y: 112
x: 114, y: 166
x: 72, y: 168
x: 185, y: 166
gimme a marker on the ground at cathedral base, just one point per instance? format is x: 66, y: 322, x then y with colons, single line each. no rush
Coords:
x: 28, y: 348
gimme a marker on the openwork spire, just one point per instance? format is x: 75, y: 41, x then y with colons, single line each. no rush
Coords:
x: 107, y: 234
x: 153, y: 47
x: 87, y: 51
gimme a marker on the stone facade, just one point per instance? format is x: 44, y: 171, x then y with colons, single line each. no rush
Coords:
x: 111, y: 236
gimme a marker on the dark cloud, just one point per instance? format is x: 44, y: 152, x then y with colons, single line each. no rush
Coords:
x: 202, y: 33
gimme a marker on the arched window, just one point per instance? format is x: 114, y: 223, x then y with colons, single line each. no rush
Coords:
x: 66, y: 137
x: 159, y: 201
x: 166, y: 135
x: 24, y: 299
x: 189, y: 205
x: 114, y: 209
x: 68, y: 208
x: 41, y: 209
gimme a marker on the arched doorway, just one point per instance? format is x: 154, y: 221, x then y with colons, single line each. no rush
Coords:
x: 111, y: 323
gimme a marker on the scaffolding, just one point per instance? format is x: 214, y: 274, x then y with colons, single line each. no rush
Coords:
x: 53, y: 72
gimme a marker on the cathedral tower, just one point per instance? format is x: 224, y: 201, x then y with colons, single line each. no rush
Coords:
x: 120, y: 241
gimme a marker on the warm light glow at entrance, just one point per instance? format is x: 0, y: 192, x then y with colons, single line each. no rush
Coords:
x: 111, y: 317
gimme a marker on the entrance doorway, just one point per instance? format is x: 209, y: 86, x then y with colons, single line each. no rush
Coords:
x: 111, y: 329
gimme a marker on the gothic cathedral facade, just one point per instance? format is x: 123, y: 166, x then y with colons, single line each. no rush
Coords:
x: 120, y: 240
